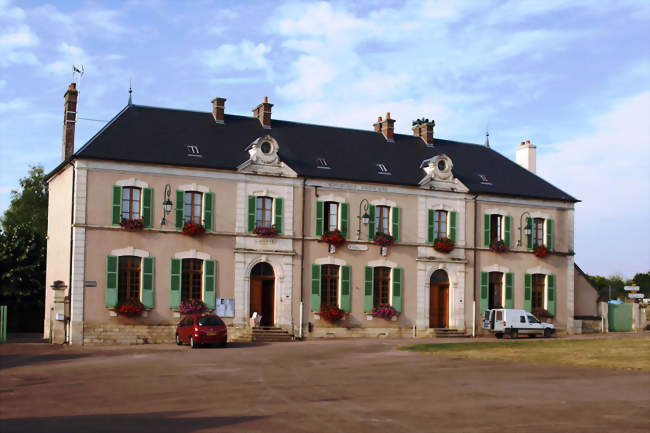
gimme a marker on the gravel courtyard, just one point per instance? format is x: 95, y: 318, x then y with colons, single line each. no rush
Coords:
x: 315, y: 386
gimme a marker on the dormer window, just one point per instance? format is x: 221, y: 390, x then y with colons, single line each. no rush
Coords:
x: 266, y: 147
x: 322, y: 163
x: 193, y: 150
x: 382, y: 169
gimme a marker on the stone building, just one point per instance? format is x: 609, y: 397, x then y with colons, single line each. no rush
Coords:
x: 242, y: 177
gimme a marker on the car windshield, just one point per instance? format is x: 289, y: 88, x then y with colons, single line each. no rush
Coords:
x: 209, y: 321
x: 532, y: 319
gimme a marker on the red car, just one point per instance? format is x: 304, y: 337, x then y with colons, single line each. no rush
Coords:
x: 200, y: 329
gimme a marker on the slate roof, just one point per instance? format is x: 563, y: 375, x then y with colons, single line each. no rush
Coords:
x: 159, y: 136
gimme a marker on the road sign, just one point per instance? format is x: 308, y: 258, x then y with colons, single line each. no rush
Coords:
x: 632, y: 288
x: 636, y: 295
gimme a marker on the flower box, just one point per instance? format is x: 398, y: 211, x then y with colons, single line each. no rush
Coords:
x: 130, y: 307
x: 541, y: 251
x: 383, y: 239
x: 331, y: 313
x: 384, y: 310
x: 192, y: 306
x: 542, y: 314
x: 334, y: 237
x: 499, y: 247
x: 443, y: 245
x: 266, y: 232
x: 132, y: 224
x: 193, y: 229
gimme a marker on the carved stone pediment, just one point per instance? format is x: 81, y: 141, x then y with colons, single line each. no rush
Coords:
x: 264, y: 159
x: 439, y: 174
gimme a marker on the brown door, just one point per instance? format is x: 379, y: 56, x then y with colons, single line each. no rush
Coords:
x: 256, y: 296
x: 268, y: 302
x: 263, y: 293
x: 439, y: 305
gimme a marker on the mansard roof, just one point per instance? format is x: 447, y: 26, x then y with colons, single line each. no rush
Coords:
x: 160, y: 136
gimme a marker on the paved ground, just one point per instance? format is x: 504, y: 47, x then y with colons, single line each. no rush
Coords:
x: 317, y: 386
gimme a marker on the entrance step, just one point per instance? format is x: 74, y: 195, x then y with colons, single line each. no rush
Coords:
x: 449, y: 333
x: 267, y: 334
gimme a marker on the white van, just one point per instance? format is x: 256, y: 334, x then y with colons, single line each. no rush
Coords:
x: 514, y: 322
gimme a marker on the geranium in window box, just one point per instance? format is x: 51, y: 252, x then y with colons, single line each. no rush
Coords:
x: 541, y: 251
x: 542, y: 314
x: 334, y: 238
x: 331, y: 313
x: 499, y: 247
x: 383, y: 239
x: 384, y: 310
x: 192, y: 306
x: 266, y: 232
x: 193, y: 229
x: 443, y: 245
x: 132, y: 224
x: 130, y: 307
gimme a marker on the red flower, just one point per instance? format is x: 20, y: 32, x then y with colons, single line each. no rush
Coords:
x: 130, y: 307
x: 444, y: 245
x: 384, y: 310
x: 266, y: 232
x: 499, y: 247
x: 132, y: 224
x: 193, y: 229
x: 541, y: 251
x: 334, y: 237
x: 331, y: 313
x: 383, y: 239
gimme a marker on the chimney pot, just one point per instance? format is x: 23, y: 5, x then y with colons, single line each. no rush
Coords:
x: 69, y: 121
x: 425, y: 131
x: 263, y: 113
x: 386, y: 127
x: 266, y: 99
x: 218, y: 109
x: 388, y: 115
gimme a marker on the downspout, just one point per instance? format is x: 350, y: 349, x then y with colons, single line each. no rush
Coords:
x: 67, y: 317
x: 475, y: 268
x: 302, y: 256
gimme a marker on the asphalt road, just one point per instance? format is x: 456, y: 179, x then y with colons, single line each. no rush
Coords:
x: 316, y: 386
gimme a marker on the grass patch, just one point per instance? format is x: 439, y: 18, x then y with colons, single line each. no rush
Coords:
x: 624, y: 353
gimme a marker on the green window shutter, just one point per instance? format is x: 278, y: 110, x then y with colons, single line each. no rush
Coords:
x: 368, y: 289
x: 549, y: 234
x: 147, y: 211
x: 180, y: 209
x: 486, y: 230
x: 148, y: 272
x: 430, y: 225
x: 209, y: 279
x: 208, y: 210
x: 483, y: 305
x: 372, y: 224
x: 345, y: 288
x: 320, y: 210
x: 111, y: 281
x: 396, y: 223
x: 279, y: 214
x: 508, y: 228
x: 550, y: 295
x: 175, y: 283
x: 252, y: 207
x: 314, y: 299
x: 528, y: 292
x: 529, y: 237
x: 116, y: 217
x: 345, y: 219
x: 453, y: 216
x: 397, y: 289
x: 510, y: 298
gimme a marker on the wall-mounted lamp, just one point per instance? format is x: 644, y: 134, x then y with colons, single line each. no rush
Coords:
x: 365, y: 218
x: 167, y: 204
x: 523, y: 230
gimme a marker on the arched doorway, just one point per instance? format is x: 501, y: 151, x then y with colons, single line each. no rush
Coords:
x: 263, y: 293
x: 439, y: 300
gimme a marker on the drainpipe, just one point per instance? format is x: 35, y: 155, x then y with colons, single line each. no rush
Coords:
x: 475, y: 268
x: 66, y: 335
x: 302, y: 257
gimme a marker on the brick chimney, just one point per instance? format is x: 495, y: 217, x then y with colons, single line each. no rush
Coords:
x: 386, y: 127
x: 526, y: 155
x: 425, y: 131
x: 218, y: 109
x: 69, y: 120
x: 263, y: 113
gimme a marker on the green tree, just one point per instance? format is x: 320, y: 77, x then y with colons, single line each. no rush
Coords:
x: 643, y: 281
x: 29, y: 205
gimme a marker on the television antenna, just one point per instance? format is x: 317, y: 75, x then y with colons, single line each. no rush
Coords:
x: 77, y: 71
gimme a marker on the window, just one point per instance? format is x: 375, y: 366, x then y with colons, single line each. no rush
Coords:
x: 131, y: 202
x: 264, y: 212
x: 440, y: 224
x: 381, y: 293
x: 522, y: 319
x: 539, y: 281
x: 192, y: 279
x: 538, y: 231
x: 209, y: 321
x: 496, y: 228
x: 383, y: 219
x: 330, y: 285
x: 331, y: 215
x: 129, y: 278
x: 532, y: 319
x: 495, y: 296
x: 193, y: 202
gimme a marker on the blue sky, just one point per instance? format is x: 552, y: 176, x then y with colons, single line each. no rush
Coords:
x: 572, y: 77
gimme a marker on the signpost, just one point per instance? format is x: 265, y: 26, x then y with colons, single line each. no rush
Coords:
x: 632, y: 288
x: 635, y: 295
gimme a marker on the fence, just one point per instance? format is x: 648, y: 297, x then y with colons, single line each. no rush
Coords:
x: 3, y: 323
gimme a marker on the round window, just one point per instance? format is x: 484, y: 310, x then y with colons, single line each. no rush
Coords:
x: 266, y: 147
x: 442, y: 165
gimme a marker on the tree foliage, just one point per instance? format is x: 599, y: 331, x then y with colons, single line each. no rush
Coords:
x: 617, y: 284
x: 29, y: 205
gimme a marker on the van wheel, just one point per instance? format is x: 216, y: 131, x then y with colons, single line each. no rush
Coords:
x: 514, y: 333
x: 178, y: 340
x: 499, y: 335
x: 547, y: 333
x: 193, y: 344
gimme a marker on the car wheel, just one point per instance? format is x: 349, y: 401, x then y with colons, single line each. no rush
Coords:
x: 193, y: 343
x: 532, y: 335
x: 547, y: 333
x: 224, y: 344
x: 499, y: 335
x: 178, y: 340
x: 514, y: 333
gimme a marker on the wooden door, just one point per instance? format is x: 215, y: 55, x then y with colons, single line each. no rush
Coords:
x: 256, y: 296
x: 439, y: 305
x: 268, y: 302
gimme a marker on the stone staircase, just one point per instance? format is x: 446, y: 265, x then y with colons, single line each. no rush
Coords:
x: 449, y: 333
x: 266, y: 334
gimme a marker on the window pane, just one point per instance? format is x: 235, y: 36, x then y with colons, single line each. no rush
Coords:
x: 126, y: 194
x: 135, y: 193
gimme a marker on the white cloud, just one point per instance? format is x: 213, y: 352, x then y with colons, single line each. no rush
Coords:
x: 241, y: 57
x: 15, y: 44
x: 11, y: 12
x: 13, y: 105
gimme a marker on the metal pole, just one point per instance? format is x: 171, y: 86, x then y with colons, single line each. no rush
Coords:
x: 365, y: 209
